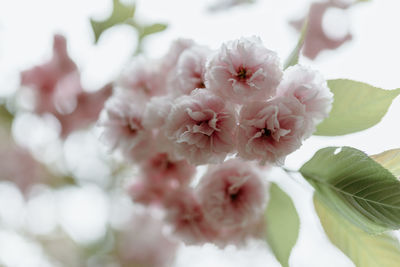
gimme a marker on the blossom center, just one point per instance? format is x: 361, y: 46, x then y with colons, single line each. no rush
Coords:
x: 242, y: 74
x: 201, y: 85
x: 266, y: 132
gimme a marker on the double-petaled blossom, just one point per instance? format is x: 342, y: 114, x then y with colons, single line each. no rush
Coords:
x: 160, y: 176
x: 122, y: 125
x: 268, y: 131
x: 201, y: 127
x: 310, y: 88
x: 162, y: 165
x: 186, y: 215
x: 232, y: 194
x: 244, y: 70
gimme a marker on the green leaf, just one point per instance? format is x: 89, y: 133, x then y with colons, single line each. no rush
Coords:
x: 356, y: 186
x: 357, y: 106
x: 363, y: 249
x: 293, y: 58
x: 150, y: 29
x: 6, y: 117
x: 390, y: 160
x: 282, y: 224
x: 120, y: 14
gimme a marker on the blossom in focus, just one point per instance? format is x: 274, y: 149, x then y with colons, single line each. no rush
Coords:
x: 56, y: 83
x: 269, y: 131
x: 189, y: 71
x: 232, y: 194
x: 122, y: 128
x: 142, y: 242
x: 186, y: 215
x: 201, y: 127
x: 244, y: 70
x: 310, y: 88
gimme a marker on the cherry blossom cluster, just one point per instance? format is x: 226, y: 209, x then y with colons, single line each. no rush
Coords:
x: 196, y: 106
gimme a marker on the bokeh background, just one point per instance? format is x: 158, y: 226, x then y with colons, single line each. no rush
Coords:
x: 66, y: 222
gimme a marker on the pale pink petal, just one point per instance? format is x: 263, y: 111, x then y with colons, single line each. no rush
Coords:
x: 244, y: 70
x: 201, y: 127
x: 232, y: 194
x: 269, y: 131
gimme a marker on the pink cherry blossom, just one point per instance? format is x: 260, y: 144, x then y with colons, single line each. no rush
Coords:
x: 201, y: 127
x: 186, y: 215
x: 244, y: 70
x: 239, y: 235
x: 122, y: 127
x: 56, y: 83
x: 144, y: 76
x: 151, y: 190
x: 189, y: 71
x: 160, y: 176
x: 156, y: 111
x: 269, y: 131
x: 232, y: 194
x: 310, y: 88
x: 143, y: 242
x: 162, y: 165
x: 169, y: 61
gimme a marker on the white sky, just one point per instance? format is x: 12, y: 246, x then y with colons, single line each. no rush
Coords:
x: 26, y: 29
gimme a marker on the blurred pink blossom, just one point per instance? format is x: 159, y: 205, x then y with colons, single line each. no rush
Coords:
x: 169, y: 61
x: 142, y: 242
x: 56, y: 83
x: 232, y: 194
x: 162, y: 165
x: 316, y: 39
x: 244, y: 70
x: 144, y: 76
x: 88, y: 108
x: 18, y: 166
x: 160, y: 176
x: 156, y: 111
x: 186, y: 215
x: 189, y: 71
x: 122, y: 128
